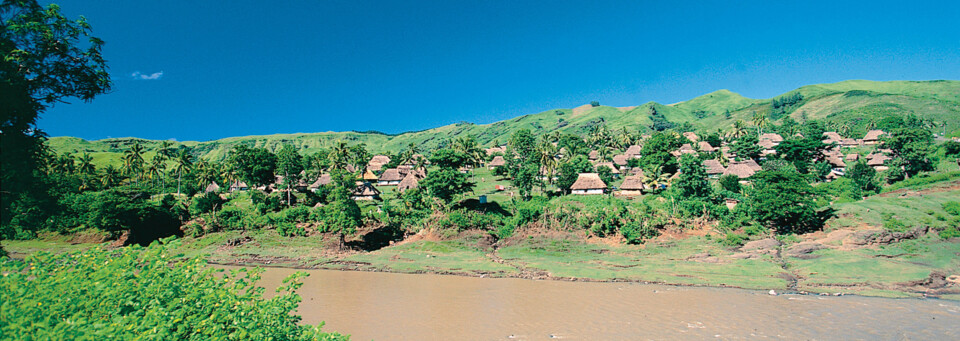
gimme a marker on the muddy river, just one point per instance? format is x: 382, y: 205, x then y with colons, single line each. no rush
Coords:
x: 387, y: 306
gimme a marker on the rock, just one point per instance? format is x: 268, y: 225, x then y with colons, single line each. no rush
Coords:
x: 883, y: 237
x: 772, y: 293
x: 761, y: 245
x: 745, y: 255
x: 804, y: 250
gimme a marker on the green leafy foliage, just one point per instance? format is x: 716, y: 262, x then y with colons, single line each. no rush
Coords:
x: 783, y: 200
x: 128, y: 293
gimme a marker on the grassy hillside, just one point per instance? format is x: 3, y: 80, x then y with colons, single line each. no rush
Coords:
x: 854, y: 102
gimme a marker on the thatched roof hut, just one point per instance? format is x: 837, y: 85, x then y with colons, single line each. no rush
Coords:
x: 497, y: 162
x: 633, y: 151
x: 873, y: 136
x: 369, y: 176
x: 364, y: 191
x: 706, y: 147
x: 381, y: 159
x: 390, y: 177
x: 588, y: 183
x: 877, y: 159
x: 740, y: 169
x: 613, y: 168
x: 410, y: 181
x: 239, y: 186
x: 212, y: 187
x: 620, y: 160
x: 691, y: 136
x: 852, y: 157
x: 831, y: 136
x: 593, y: 155
x: 753, y: 165
x: 776, y: 138
x: 632, y: 185
x: 324, y: 179
x: 713, y: 167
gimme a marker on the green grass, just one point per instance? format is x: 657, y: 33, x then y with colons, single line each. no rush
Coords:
x: 914, y: 209
x: 429, y: 256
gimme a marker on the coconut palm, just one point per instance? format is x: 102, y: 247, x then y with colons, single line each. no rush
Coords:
x: 760, y: 120
x: 739, y: 129
x: 110, y: 177
x: 86, y: 164
x: 547, y: 156
x: 339, y: 155
x: 184, y: 162
x: 133, y: 161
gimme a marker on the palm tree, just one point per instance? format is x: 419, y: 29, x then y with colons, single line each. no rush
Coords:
x: 760, y: 120
x: 158, y: 168
x: 86, y: 164
x: 624, y: 139
x: 110, y: 177
x: 206, y: 172
x: 739, y: 129
x: 547, y: 155
x: 655, y: 178
x: 133, y: 160
x: 184, y: 162
x: 339, y: 155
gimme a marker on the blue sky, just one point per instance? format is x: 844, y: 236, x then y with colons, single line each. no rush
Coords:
x: 203, y: 70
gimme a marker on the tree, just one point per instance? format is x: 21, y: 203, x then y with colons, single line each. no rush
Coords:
x: 760, y: 120
x: 656, y: 152
x: 339, y: 156
x: 43, y: 64
x: 783, y: 200
x: 523, y: 144
x: 692, y: 182
x: 256, y: 166
x: 606, y: 174
x: 739, y: 129
x: 863, y: 175
x: 184, y: 162
x: 730, y: 182
x: 746, y: 147
x: 802, y: 151
x: 570, y: 170
x: 290, y: 163
x: 524, y: 179
x: 912, y: 146
x: 445, y: 184
x: 133, y: 161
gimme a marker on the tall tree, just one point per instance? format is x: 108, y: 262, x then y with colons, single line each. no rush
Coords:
x: 692, y: 182
x: 289, y: 163
x: 184, y: 162
x: 256, y: 166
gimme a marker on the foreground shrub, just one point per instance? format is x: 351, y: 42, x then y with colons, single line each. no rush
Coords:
x: 135, y: 293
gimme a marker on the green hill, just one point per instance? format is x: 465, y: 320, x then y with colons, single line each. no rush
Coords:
x: 854, y: 103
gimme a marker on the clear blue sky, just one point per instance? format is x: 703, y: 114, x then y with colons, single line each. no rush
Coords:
x: 238, y: 68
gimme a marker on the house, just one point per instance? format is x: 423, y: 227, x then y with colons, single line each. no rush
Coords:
x: 769, y: 147
x: 212, y: 187
x: 852, y: 157
x: 731, y: 203
x: 741, y: 169
x: 848, y: 143
x: 705, y: 147
x: 410, y: 181
x: 364, y: 191
x: 832, y: 137
x: 633, y: 151
x: 239, y: 186
x: 620, y: 160
x: 753, y: 165
x: 497, y: 162
x: 872, y: 137
x: 632, y: 185
x: 878, y: 161
x: 368, y: 176
x: 594, y: 155
x: 776, y: 138
x: 836, y: 162
x: 713, y: 168
x: 691, y: 136
x: 613, y: 168
x: 588, y: 183
x: 390, y: 177
x: 686, y: 148
x: 324, y: 179
x: 493, y: 150
x: 380, y: 159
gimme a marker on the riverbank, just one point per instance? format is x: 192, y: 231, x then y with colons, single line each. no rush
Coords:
x: 841, y: 262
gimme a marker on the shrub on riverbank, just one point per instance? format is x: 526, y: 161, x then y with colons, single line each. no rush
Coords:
x: 128, y: 293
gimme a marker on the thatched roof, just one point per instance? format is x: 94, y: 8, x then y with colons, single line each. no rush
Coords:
x: 239, y: 184
x: 381, y: 159
x: 365, y: 189
x: 877, y: 160
x: 767, y: 144
x: 740, y: 169
x: 633, y: 150
x: 691, y: 136
x: 848, y: 142
x: 633, y: 183
x: 753, y: 165
x: 593, y: 155
x: 391, y: 174
x: 373, y: 166
x: 831, y: 136
x: 852, y: 157
x: 713, y: 167
x: 212, y: 187
x: 836, y: 161
x: 492, y: 150
x: 587, y: 181
x: 686, y: 148
x: 410, y: 181
x: 613, y: 168
x: 497, y: 161
x: 705, y: 146
x: 620, y: 160
x: 324, y: 179
x: 772, y: 137
x: 873, y: 135
x: 369, y: 176
x: 350, y: 168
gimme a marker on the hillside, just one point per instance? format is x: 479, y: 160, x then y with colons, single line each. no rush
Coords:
x: 854, y: 103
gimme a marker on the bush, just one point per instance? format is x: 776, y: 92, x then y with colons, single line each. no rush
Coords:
x: 288, y: 229
x: 733, y: 239
x: 636, y: 232
x: 205, y: 203
x: 231, y: 218
x: 730, y: 182
x: 951, y: 207
x: 127, y: 293
x: 194, y: 230
x: 950, y: 232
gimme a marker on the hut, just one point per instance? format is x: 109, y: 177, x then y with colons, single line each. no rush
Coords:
x: 713, y: 168
x: 686, y: 148
x: 832, y: 137
x: 691, y: 136
x: 594, y: 155
x: 364, y: 191
x: 613, y: 168
x: 731, y: 203
x: 239, y: 186
x: 497, y: 162
x: 848, y: 143
x: 769, y: 146
x: 620, y: 160
x: 633, y: 151
x: 324, y: 179
x: 212, y: 187
x: 381, y: 159
x: 632, y: 185
x: 872, y: 137
x: 410, y: 181
x: 706, y: 147
x: 753, y: 165
x: 836, y: 162
x: 369, y: 176
x: 390, y: 177
x: 852, y: 157
x: 588, y: 183
x: 877, y: 161
x: 776, y: 138
x: 493, y: 150
x: 741, y: 169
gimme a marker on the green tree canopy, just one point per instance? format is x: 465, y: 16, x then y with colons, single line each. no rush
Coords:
x: 783, y: 200
x: 256, y: 166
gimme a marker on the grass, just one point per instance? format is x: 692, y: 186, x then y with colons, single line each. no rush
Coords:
x: 425, y: 256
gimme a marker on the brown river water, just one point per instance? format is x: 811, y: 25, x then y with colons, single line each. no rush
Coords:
x: 389, y: 306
